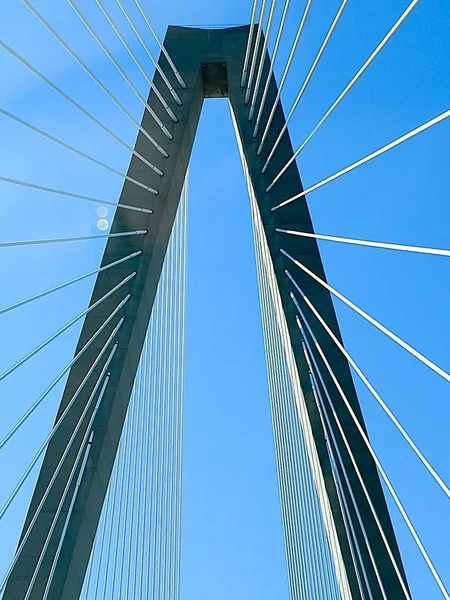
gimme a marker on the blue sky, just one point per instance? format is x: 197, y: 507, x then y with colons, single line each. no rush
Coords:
x: 232, y: 529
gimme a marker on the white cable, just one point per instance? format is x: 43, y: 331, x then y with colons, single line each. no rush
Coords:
x: 78, y: 106
x: 154, y: 398
x: 145, y: 464
x: 72, y: 239
x: 108, y: 510
x: 386, y: 481
x: 349, y: 449
x: 154, y: 567
x: 348, y: 526
x: 367, y: 158
x: 161, y: 45
x: 305, y: 540
x: 66, y: 523
x: 249, y: 43
x: 292, y: 511
x: 77, y: 485
x: 89, y: 71
x: 271, y: 68
x: 136, y: 60
x: 350, y: 85
x: 184, y: 225
x: 370, y: 319
x: 149, y: 465
x: 26, y: 535
x: 384, y: 245
x: 125, y: 440
x: 353, y: 542
x: 372, y: 390
x: 282, y: 82
x: 87, y: 582
x: 52, y: 338
x: 154, y: 116
x: 76, y: 151
x: 67, y: 283
x: 133, y: 506
x: 305, y: 83
x: 171, y: 396
x: 132, y: 415
x: 262, y: 61
x: 57, y: 426
x: 42, y: 188
x: 318, y: 396
x: 256, y: 51
x: 154, y: 61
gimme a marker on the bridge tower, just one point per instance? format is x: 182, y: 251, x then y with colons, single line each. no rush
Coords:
x: 210, y: 63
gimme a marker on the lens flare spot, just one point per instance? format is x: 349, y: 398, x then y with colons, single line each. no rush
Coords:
x: 103, y: 224
x: 102, y: 212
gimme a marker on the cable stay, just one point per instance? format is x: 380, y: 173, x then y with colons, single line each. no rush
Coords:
x: 82, y: 238
x: 126, y: 483
x: 76, y: 151
x: 62, y: 459
x: 56, y: 335
x: 370, y: 319
x: 126, y: 437
x: 380, y: 469
x: 312, y: 571
x: 139, y: 473
x: 145, y: 470
x: 69, y: 511
x: 43, y: 188
x: 314, y: 373
x: 78, y: 106
x: 108, y: 518
x: 138, y: 539
x: 271, y: 68
x: 366, y: 159
x: 133, y: 506
x: 249, y: 43
x: 124, y: 492
x: 355, y: 550
x: 302, y: 320
x: 88, y: 26
x: 350, y: 531
x: 160, y: 44
x: 68, y: 283
x: 170, y: 87
x: 254, y: 61
x: 292, y: 484
x: 89, y: 71
x: 305, y: 83
x: 85, y: 449
x: 66, y: 490
x: 372, y: 390
x: 137, y: 546
x: 342, y: 95
x: 62, y: 417
x: 356, y: 242
x: 136, y: 60
x: 262, y: 61
x: 101, y: 528
x: 282, y: 82
x: 333, y: 451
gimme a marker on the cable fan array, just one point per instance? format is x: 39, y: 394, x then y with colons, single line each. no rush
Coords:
x: 314, y: 354
x: 137, y: 546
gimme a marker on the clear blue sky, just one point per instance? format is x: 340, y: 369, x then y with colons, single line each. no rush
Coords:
x: 232, y: 539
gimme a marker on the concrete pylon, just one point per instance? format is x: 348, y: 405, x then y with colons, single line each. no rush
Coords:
x: 210, y: 62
